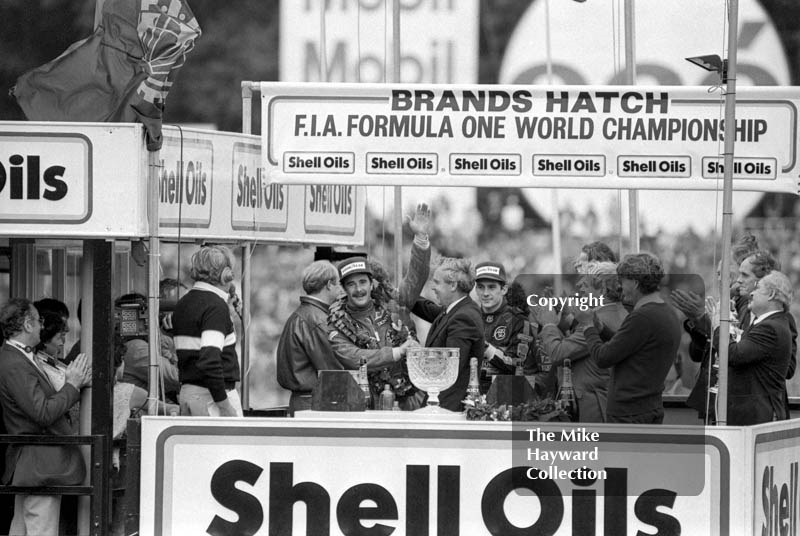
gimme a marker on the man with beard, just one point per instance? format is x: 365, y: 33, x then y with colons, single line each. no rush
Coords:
x: 370, y: 321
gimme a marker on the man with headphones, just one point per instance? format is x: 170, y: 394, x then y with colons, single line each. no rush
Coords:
x: 205, y: 340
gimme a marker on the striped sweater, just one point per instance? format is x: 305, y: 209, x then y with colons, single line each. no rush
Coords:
x: 205, y: 340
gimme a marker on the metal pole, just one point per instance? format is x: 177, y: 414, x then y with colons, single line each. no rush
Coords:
x: 398, y: 191
x: 727, y: 212
x: 630, y: 71
x: 247, y: 108
x: 246, y: 287
x: 154, y: 346
x: 87, y: 336
x: 555, y: 223
x: 247, y: 125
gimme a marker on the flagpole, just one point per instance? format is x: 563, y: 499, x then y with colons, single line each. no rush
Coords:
x: 555, y: 222
x: 727, y: 212
x: 398, y: 191
x: 630, y: 73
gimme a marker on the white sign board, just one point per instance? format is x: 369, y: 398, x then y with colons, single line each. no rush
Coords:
x: 225, y: 194
x: 656, y: 138
x: 401, y: 475
x: 438, y: 40
x: 68, y: 179
x: 76, y: 180
x: 775, y: 497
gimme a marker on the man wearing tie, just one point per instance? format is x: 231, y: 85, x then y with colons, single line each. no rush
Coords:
x: 456, y: 323
x: 759, y: 361
x: 31, y: 405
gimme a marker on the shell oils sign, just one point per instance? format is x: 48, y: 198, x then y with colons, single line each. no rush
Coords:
x: 45, y: 178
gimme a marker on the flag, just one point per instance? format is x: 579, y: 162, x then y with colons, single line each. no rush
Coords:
x: 121, y: 73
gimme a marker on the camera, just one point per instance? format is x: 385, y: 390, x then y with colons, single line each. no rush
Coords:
x: 130, y: 317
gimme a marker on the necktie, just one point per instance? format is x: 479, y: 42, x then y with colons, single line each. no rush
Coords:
x: 435, y: 324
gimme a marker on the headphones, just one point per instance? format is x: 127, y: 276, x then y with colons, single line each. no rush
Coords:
x: 203, y: 266
x: 226, y: 276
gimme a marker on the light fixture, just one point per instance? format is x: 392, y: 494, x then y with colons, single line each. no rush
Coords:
x: 713, y: 63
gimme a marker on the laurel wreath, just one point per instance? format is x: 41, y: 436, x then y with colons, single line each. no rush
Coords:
x: 538, y: 409
x: 396, y: 375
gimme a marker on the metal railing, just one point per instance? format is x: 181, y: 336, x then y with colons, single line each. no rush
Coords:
x: 98, y: 487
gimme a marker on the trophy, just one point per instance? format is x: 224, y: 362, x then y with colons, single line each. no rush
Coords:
x: 433, y: 370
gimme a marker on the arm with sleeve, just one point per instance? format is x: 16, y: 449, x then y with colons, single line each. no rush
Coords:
x: 625, y: 343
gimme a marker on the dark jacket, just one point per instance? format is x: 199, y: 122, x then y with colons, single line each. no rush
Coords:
x: 32, y: 406
x: 641, y: 354
x: 303, y: 348
x: 757, y: 368
x: 700, y: 352
x: 589, y: 380
x: 461, y: 328
x: 368, y: 322
x: 508, y: 329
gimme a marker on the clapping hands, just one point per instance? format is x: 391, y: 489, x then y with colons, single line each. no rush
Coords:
x: 688, y: 302
x: 79, y: 372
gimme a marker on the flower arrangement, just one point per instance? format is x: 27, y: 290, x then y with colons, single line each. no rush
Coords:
x: 537, y: 409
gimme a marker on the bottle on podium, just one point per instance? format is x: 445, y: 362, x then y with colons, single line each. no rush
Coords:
x: 473, y: 387
x: 566, y: 396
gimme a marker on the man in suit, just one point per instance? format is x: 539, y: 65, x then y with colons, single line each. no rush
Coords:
x: 456, y: 323
x: 759, y: 361
x: 31, y: 405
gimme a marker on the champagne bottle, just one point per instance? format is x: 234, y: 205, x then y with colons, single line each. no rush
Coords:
x: 473, y: 388
x: 566, y: 398
x: 387, y: 398
x: 363, y: 382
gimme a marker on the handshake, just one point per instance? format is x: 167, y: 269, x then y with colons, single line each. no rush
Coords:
x: 399, y: 352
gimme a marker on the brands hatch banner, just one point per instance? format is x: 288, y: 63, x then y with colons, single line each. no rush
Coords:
x: 528, y: 136
x: 366, y: 474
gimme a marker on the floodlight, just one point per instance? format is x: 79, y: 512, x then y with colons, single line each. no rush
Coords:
x: 713, y: 63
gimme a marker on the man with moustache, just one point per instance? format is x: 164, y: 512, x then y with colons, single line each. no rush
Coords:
x: 456, y: 323
x: 367, y: 321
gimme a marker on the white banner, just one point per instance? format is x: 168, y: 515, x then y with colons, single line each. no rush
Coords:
x: 408, y: 476
x: 76, y: 180
x: 68, y: 179
x: 226, y: 195
x: 658, y: 138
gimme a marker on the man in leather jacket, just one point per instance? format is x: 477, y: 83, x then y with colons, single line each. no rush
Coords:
x: 303, y: 348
